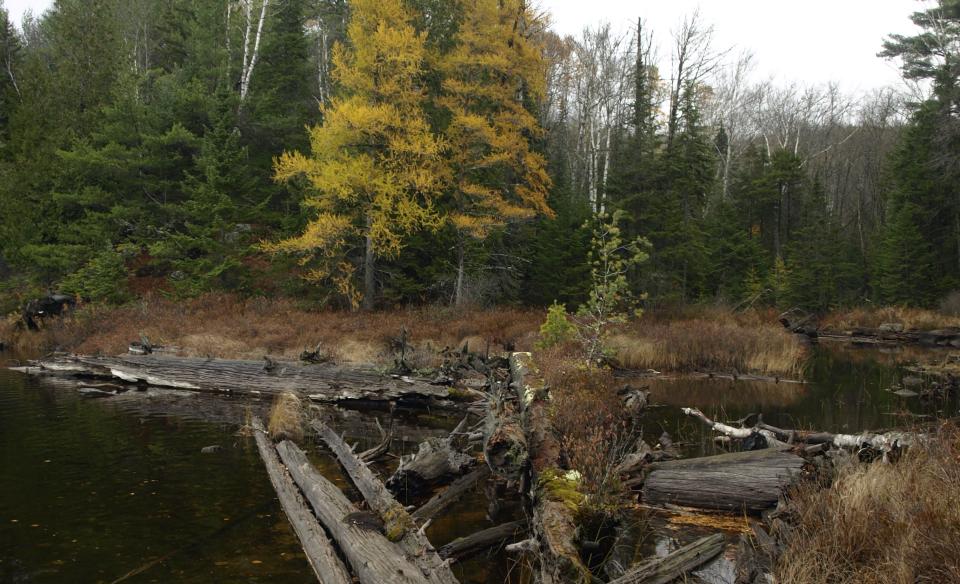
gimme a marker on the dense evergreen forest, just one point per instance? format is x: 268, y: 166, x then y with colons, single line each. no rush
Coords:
x: 387, y: 152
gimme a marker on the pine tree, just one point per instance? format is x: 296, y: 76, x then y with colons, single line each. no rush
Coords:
x: 375, y: 166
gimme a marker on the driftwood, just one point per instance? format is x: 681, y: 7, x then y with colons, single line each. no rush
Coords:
x: 552, y: 521
x: 676, y: 564
x: 324, y: 383
x: 465, y: 547
x: 386, y: 436
x: 436, y: 461
x: 374, y: 559
x: 451, y: 494
x: 318, y: 549
x: 777, y: 437
x: 749, y: 482
x: 399, y: 526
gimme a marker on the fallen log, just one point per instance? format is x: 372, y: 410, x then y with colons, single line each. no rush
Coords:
x: 318, y: 549
x: 374, y: 559
x: 751, y: 481
x: 386, y: 436
x: 451, y: 494
x: 323, y: 382
x: 778, y: 437
x: 399, y: 526
x: 436, y: 461
x: 553, y: 495
x: 464, y: 547
x: 675, y: 564
x: 504, y: 441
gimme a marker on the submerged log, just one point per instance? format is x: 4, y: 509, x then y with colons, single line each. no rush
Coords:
x: 675, y: 564
x: 451, y: 494
x: 749, y: 482
x: 324, y: 382
x: 551, y: 488
x: 374, y: 559
x: 318, y: 549
x: 399, y: 526
x: 464, y: 547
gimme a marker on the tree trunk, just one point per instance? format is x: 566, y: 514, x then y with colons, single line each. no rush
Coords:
x: 369, y: 270
x: 461, y: 259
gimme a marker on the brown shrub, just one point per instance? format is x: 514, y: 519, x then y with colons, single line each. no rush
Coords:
x: 721, y: 344
x: 881, y: 523
x: 223, y: 325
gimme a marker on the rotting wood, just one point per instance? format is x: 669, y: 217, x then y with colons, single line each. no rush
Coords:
x: 675, y: 564
x: 464, y: 547
x: 550, y: 488
x: 436, y: 461
x: 451, y: 494
x: 323, y: 382
x: 504, y: 441
x: 738, y: 482
x: 399, y: 526
x: 374, y: 559
x: 318, y: 549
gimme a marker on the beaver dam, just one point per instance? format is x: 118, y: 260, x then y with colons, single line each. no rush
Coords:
x: 153, y: 469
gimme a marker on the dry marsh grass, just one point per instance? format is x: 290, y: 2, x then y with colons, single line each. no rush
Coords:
x: 286, y: 418
x: 701, y: 344
x: 219, y: 325
x: 881, y: 523
x: 871, y: 318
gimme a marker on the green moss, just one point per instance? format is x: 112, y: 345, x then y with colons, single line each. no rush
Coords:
x: 562, y: 488
x: 396, y: 523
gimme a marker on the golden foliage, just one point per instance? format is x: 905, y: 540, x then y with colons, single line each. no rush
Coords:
x: 486, y: 78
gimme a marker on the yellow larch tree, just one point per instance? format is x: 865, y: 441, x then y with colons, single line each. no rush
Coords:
x: 375, y: 166
x: 494, y: 70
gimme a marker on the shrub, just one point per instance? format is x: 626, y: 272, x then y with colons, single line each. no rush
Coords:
x: 103, y: 278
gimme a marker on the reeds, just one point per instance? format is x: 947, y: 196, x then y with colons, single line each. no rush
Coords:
x: 870, y: 318
x: 881, y: 523
x: 286, y: 418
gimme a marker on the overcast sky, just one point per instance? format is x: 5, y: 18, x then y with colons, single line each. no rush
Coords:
x: 811, y: 41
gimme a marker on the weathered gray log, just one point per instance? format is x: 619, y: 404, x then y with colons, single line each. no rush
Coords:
x: 552, y: 521
x: 324, y: 382
x: 451, y: 494
x: 436, y: 461
x: 399, y: 526
x: 386, y: 436
x: 374, y: 559
x: 675, y: 564
x: 741, y: 481
x: 464, y: 547
x: 318, y: 549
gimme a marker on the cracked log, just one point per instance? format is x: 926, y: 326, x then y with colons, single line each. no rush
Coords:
x: 323, y: 382
x: 749, y: 482
x: 374, y: 559
x: 318, y: 549
x: 399, y: 526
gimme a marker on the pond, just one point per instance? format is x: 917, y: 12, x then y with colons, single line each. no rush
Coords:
x: 117, y: 490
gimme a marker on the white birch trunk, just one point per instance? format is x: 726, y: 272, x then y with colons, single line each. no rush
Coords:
x: 250, y: 65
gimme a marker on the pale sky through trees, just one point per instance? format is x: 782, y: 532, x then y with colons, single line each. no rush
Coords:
x: 814, y: 41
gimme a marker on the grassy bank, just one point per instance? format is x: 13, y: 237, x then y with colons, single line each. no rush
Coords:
x: 881, y: 523
x: 870, y: 318
x: 710, y: 340
x: 229, y: 327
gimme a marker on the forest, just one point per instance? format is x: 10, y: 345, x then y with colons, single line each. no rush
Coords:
x: 459, y: 153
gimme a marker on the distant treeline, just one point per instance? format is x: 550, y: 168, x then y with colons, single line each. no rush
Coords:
x: 398, y: 152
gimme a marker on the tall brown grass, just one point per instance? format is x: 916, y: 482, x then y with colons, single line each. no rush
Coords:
x: 220, y: 325
x: 881, y: 523
x: 911, y: 318
x: 723, y: 344
x: 286, y: 418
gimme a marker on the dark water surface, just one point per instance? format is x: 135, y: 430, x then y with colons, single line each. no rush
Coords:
x: 117, y: 490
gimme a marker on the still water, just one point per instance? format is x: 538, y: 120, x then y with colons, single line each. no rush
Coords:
x: 116, y: 489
